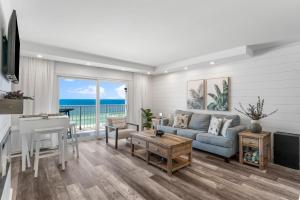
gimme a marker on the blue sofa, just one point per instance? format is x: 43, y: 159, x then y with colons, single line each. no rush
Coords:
x: 198, y: 131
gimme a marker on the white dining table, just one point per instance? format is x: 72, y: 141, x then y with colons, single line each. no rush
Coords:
x: 28, y: 124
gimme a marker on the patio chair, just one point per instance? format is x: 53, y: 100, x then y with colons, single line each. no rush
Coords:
x: 118, y: 128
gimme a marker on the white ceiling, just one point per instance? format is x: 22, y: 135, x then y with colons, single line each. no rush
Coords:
x: 156, y: 32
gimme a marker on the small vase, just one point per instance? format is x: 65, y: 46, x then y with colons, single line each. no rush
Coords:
x: 255, y: 126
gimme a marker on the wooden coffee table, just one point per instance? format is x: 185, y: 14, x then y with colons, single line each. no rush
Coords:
x: 168, y: 152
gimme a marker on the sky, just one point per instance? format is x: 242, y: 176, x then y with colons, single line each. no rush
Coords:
x: 86, y: 89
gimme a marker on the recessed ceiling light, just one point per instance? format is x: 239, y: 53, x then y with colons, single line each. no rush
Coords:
x: 88, y: 63
x: 185, y: 68
x: 39, y: 55
x: 165, y: 71
x: 212, y: 62
x: 148, y: 73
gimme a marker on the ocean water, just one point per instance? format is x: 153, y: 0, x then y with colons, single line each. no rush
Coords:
x: 76, y: 102
x: 84, y: 110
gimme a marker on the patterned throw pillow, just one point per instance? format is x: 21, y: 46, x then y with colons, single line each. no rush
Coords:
x: 215, y: 126
x: 226, y: 125
x: 119, y: 123
x: 181, y: 121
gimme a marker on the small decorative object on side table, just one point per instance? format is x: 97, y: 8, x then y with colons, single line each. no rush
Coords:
x: 255, y: 149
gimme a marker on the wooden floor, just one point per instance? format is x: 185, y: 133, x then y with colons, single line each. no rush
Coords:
x: 104, y: 173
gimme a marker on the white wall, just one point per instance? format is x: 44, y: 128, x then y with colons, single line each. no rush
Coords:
x: 69, y: 69
x: 273, y: 74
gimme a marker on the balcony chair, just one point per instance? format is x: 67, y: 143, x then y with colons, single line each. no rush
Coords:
x: 118, y: 128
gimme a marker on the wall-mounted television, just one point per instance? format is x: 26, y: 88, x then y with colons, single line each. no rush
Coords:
x: 12, y: 50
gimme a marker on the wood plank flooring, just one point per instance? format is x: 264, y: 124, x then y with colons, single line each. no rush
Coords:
x: 104, y: 173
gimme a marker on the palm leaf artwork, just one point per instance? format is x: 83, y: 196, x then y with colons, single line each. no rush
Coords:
x: 220, y: 98
x: 196, y: 96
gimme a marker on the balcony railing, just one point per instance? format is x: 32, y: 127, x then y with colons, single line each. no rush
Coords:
x: 85, y: 115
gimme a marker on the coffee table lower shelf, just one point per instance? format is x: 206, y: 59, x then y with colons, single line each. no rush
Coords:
x: 177, y: 163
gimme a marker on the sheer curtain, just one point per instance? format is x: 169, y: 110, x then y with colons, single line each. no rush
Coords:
x: 38, y: 80
x: 140, y: 96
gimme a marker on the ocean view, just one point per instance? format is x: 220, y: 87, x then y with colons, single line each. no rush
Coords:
x: 84, y: 111
x: 64, y: 102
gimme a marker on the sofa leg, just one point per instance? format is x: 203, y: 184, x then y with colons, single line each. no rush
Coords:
x: 226, y: 160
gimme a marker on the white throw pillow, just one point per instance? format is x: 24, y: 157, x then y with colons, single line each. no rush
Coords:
x: 181, y: 121
x: 226, y: 124
x: 215, y: 126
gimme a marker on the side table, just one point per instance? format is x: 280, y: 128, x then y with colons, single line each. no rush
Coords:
x: 255, y: 149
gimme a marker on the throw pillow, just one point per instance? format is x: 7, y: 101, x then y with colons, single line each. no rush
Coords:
x: 119, y: 123
x: 215, y: 126
x: 226, y: 125
x: 181, y: 121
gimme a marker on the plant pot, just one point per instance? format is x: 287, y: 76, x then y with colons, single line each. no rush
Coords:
x: 255, y: 126
x: 11, y: 106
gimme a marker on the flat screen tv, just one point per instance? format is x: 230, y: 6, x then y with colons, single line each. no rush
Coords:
x: 13, y: 49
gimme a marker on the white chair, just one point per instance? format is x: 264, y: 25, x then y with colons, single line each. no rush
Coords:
x: 117, y: 128
x: 47, y: 138
x: 38, y: 136
x: 74, y: 137
x: 42, y: 138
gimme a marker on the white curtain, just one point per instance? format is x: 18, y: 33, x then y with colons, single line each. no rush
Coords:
x: 140, y: 96
x: 38, y: 80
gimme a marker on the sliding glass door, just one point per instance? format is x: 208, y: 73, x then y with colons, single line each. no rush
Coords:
x: 79, y: 97
x: 78, y: 100
x: 112, y: 95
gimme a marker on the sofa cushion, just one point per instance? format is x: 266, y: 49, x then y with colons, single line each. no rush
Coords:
x: 215, y: 125
x: 167, y: 129
x: 181, y: 121
x: 214, y: 140
x: 119, y: 123
x: 236, y: 121
x: 122, y: 133
x: 200, y: 122
x: 226, y: 125
x: 184, y: 112
x: 188, y: 133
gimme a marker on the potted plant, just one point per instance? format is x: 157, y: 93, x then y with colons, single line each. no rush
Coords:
x: 146, y: 118
x: 255, y: 113
x: 12, y: 102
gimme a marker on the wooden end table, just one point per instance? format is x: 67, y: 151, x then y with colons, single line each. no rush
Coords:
x: 259, y: 141
x: 176, y: 151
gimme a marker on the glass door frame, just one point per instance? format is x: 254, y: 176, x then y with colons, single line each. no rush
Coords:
x: 125, y: 82
x: 98, y: 97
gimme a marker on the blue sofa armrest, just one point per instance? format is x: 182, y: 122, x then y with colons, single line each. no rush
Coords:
x: 233, y: 132
x: 164, y: 122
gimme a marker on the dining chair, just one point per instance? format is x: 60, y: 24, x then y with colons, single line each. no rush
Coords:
x: 74, y: 137
x: 38, y: 135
